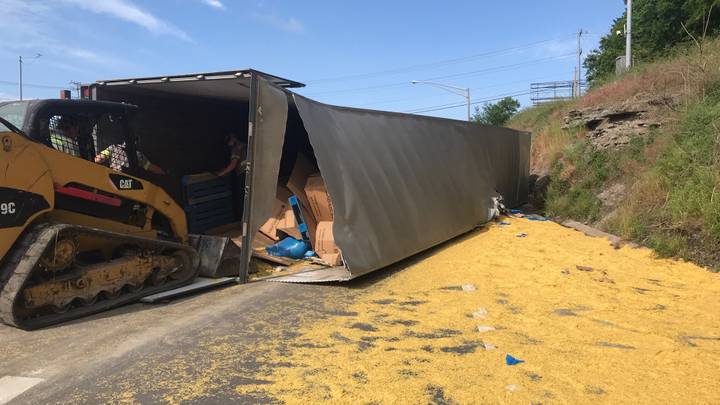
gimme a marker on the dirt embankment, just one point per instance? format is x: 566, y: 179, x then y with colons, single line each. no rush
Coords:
x: 638, y: 156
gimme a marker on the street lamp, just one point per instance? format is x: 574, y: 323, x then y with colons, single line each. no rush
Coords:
x: 460, y: 91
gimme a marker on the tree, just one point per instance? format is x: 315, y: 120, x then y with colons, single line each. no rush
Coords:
x: 601, y: 62
x: 498, y: 113
x: 657, y: 28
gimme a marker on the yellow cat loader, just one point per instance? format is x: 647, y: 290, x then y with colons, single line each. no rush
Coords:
x: 81, y: 229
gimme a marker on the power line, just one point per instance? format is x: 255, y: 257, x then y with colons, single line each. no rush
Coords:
x: 502, y: 68
x: 388, y: 101
x: 475, y: 102
x: 435, y: 64
x: 39, y: 86
x: 464, y: 74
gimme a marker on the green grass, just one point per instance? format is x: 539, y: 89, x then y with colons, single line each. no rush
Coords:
x: 675, y: 208
x: 672, y: 174
x: 577, y: 179
x: 690, y: 171
x: 535, y: 118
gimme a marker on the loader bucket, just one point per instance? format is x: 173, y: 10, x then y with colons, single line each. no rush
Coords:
x: 219, y: 257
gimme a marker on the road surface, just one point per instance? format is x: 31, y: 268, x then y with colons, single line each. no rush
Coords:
x: 591, y: 323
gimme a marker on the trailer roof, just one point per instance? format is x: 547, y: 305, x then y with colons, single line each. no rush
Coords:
x: 224, y: 75
x: 226, y: 85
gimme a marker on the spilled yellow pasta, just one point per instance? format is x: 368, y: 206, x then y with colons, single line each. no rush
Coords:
x: 593, y: 325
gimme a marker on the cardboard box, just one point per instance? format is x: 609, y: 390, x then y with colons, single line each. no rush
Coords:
x: 269, y: 228
x: 280, y: 205
x: 298, y: 177
x: 325, y: 245
x: 333, y: 259
x: 311, y: 224
x: 319, y: 199
x: 288, y: 224
x: 283, y: 194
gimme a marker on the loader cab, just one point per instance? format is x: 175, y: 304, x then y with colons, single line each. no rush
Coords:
x: 97, y: 131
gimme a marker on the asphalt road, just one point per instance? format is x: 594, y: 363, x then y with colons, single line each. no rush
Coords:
x: 591, y: 322
x: 93, y: 360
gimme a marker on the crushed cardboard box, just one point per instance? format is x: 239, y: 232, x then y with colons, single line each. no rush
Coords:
x: 318, y: 198
x: 288, y: 224
x: 325, y: 245
x: 280, y: 205
x: 298, y: 177
x: 269, y: 228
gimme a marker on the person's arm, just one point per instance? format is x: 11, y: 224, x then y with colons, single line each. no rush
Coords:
x: 146, y: 164
x: 229, y: 168
x: 153, y: 168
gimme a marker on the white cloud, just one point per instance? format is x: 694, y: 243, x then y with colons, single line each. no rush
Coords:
x: 34, y: 27
x: 127, y: 11
x: 7, y: 97
x: 215, y: 3
x: 286, y: 24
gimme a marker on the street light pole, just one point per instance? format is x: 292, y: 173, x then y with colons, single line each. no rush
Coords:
x: 21, y: 78
x: 628, y: 36
x: 461, y: 91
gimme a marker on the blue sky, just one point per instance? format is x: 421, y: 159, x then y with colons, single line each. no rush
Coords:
x: 360, y: 54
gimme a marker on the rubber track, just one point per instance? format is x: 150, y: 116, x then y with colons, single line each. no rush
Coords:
x: 23, y: 258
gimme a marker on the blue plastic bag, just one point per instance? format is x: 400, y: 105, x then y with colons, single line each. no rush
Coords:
x: 511, y: 361
x: 288, y: 247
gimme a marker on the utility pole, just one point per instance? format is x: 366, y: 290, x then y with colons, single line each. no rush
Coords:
x: 20, y: 77
x: 20, y: 61
x: 578, y: 73
x: 77, y: 88
x: 628, y: 36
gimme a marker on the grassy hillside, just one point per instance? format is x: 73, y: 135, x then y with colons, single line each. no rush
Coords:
x: 660, y: 189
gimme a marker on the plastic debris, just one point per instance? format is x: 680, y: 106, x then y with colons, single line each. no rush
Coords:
x: 310, y: 253
x: 516, y: 211
x: 489, y: 346
x: 483, y: 328
x: 511, y: 388
x: 534, y: 217
x: 511, y: 361
x: 505, y: 223
x: 288, y: 247
x: 468, y: 287
x: 480, y: 313
x: 522, y: 235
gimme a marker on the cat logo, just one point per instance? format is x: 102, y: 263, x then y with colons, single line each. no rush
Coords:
x: 125, y: 183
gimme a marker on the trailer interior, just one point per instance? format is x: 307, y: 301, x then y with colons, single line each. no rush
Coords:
x: 182, y: 125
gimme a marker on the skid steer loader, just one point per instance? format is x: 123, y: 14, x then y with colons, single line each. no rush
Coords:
x: 77, y: 236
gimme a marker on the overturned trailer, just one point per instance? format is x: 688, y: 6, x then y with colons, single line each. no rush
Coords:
x: 399, y: 183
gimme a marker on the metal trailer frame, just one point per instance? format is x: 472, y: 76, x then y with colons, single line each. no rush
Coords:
x: 400, y: 183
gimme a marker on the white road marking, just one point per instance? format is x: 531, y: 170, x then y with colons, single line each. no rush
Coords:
x: 11, y: 387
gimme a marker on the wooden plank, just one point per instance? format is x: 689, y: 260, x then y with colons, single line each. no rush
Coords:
x: 273, y: 259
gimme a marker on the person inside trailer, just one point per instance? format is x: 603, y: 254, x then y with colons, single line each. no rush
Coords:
x: 237, y: 164
x: 238, y: 157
